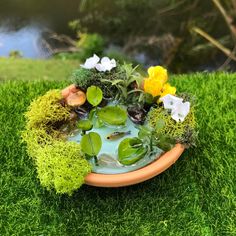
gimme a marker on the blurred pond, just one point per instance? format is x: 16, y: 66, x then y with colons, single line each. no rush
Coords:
x: 23, y: 23
x: 150, y: 32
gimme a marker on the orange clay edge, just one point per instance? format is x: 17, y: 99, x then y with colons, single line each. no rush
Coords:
x: 137, y: 176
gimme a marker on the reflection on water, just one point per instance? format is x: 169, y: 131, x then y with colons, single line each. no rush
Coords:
x: 23, y: 22
x: 26, y: 40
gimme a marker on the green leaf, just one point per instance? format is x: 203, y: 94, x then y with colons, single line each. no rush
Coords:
x: 94, y: 95
x: 92, y: 113
x: 91, y: 143
x: 165, y: 142
x: 85, y: 125
x: 144, y: 132
x: 98, y: 123
x: 113, y: 115
x: 148, y: 98
x: 130, y: 151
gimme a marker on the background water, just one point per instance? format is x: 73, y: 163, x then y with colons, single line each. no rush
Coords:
x: 23, y: 23
x: 149, y: 32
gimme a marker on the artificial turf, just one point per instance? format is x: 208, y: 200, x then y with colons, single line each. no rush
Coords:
x: 196, y: 196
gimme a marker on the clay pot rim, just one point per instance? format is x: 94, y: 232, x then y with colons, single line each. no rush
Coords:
x: 137, y: 176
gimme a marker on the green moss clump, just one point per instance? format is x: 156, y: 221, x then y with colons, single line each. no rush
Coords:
x: 182, y: 132
x: 84, y: 78
x: 60, y: 164
x: 46, y: 110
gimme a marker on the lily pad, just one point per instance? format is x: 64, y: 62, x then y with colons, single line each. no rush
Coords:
x: 130, y: 151
x: 94, y: 95
x: 112, y: 115
x: 85, y: 125
x: 91, y: 143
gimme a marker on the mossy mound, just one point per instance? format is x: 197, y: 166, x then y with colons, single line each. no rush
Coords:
x: 182, y: 132
x: 60, y: 164
x: 47, y: 110
x: 84, y: 78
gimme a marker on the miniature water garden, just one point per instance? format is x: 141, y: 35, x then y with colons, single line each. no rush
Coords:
x: 111, y: 120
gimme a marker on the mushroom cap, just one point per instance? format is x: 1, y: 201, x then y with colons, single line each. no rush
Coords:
x: 76, y: 99
x: 68, y: 90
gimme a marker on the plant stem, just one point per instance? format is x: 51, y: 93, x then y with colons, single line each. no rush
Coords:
x: 96, y: 160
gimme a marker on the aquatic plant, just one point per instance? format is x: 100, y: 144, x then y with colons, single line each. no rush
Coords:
x: 94, y: 95
x: 182, y: 132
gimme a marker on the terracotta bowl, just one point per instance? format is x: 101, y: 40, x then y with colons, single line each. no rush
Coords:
x: 137, y: 176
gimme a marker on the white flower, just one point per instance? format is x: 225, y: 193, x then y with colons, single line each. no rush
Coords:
x: 106, y: 64
x: 170, y: 101
x: 91, y: 62
x: 180, y: 111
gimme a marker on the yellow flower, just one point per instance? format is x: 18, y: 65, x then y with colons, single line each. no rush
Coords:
x: 168, y: 89
x: 153, y: 86
x: 159, y: 73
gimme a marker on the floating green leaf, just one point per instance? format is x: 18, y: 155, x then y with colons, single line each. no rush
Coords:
x: 85, y: 125
x: 130, y: 151
x: 91, y: 143
x: 94, y: 95
x: 113, y: 115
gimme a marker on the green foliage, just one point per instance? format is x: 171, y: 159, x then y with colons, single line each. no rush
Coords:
x: 113, y: 115
x: 90, y: 44
x: 94, y: 95
x: 182, y: 132
x: 85, y: 125
x: 85, y: 78
x: 153, y: 139
x: 91, y: 144
x: 62, y: 166
x: 130, y: 151
x: 15, y: 54
x: 125, y: 84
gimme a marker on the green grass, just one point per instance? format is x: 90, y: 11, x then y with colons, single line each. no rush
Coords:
x: 197, y: 196
x: 26, y: 69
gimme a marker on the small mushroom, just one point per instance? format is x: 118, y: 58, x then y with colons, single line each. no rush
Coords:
x: 136, y: 114
x: 76, y: 99
x: 68, y: 90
